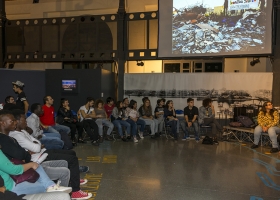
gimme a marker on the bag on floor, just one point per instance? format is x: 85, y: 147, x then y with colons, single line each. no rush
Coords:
x: 235, y: 124
x: 246, y: 121
x: 207, y: 140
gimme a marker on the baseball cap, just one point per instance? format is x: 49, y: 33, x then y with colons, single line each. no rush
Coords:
x: 18, y: 83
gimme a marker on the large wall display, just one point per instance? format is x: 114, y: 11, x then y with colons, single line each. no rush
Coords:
x: 227, y: 90
x: 214, y: 27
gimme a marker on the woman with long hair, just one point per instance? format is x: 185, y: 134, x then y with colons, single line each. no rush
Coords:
x: 134, y: 120
x: 206, y: 116
x: 171, y: 119
x: 118, y: 118
x: 65, y: 117
x: 268, y: 119
x: 147, y: 115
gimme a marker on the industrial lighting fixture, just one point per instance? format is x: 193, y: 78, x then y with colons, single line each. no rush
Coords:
x: 255, y: 61
x: 140, y: 63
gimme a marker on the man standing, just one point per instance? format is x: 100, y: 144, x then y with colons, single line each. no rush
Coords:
x: 190, y: 115
x: 21, y: 98
x: 49, y: 125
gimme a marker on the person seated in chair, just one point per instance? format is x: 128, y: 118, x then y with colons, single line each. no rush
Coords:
x: 118, y: 118
x: 159, y: 114
x: 190, y: 115
x: 125, y: 103
x: 171, y: 119
x: 49, y: 125
x: 133, y: 119
x: 146, y: 114
x: 206, y: 116
x: 50, y: 140
x: 102, y: 119
x: 65, y: 117
x: 268, y: 120
x: 109, y: 106
x: 88, y: 121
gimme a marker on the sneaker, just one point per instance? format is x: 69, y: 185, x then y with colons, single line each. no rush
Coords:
x: 197, y: 140
x: 186, y: 138
x: 274, y: 150
x: 80, y: 195
x: 254, y: 146
x: 128, y: 137
x: 141, y: 135
x: 58, y: 188
x: 84, y: 169
x: 95, y: 143
x: 135, y: 139
x: 124, y: 139
x: 215, y: 142
x: 108, y: 138
x: 83, y: 181
x: 100, y: 139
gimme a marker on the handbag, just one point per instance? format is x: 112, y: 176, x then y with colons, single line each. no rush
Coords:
x: 30, y: 175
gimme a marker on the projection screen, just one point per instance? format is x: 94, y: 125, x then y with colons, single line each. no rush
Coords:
x: 191, y: 28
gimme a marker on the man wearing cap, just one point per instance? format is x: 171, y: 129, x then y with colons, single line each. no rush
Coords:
x: 21, y: 98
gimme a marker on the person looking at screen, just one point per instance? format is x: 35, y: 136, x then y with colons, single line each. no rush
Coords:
x: 190, y: 115
x: 206, y: 116
x: 268, y: 121
x: 125, y: 103
x: 21, y: 100
x: 109, y: 106
x: 159, y: 114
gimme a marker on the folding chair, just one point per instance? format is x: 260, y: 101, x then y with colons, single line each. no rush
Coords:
x: 166, y: 127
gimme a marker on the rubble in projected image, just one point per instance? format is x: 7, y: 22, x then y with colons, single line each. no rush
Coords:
x: 218, y: 26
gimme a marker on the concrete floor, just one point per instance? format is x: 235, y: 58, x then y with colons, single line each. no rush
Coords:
x: 164, y: 169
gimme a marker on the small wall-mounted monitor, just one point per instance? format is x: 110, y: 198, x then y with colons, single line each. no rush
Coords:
x: 69, y: 85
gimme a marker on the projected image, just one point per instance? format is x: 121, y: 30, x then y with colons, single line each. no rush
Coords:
x: 69, y: 84
x: 220, y: 26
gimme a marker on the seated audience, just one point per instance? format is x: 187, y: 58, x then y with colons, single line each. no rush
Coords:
x: 159, y: 114
x: 49, y: 125
x: 171, y: 119
x: 87, y: 119
x: 190, y: 115
x: 206, y: 116
x: 119, y: 119
x: 50, y: 140
x: 14, y: 150
x: 11, y: 149
x: 10, y: 103
x: 109, y: 106
x: 102, y: 120
x: 146, y: 114
x: 134, y: 120
x: 65, y: 117
x: 268, y: 121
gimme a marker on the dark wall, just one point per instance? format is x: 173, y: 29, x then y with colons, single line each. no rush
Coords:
x: 34, y: 84
x: 89, y: 83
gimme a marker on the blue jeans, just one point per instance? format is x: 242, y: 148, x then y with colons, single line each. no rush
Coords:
x: 57, y: 128
x: 153, y: 123
x: 174, y: 124
x: 104, y: 122
x: 57, y: 135
x: 119, y: 124
x: 133, y: 126
x: 271, y: 133
x: 52, y: 142
x: 185, y: 128
x: 39, y: 186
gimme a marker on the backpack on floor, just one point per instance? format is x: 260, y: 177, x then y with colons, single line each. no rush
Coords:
x: 207, y: 140
x: 246, y: 121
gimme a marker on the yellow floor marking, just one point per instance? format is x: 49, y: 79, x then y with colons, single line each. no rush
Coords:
x: 267, y: 153
x: 109, y: 159
x: 80, y: 159
x: 93, y: 159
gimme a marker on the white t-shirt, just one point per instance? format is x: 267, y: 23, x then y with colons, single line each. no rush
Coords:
x: 86, y: 112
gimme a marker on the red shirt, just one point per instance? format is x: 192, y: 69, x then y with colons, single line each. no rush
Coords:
x: 109, y: 109
x: 48, y: 117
